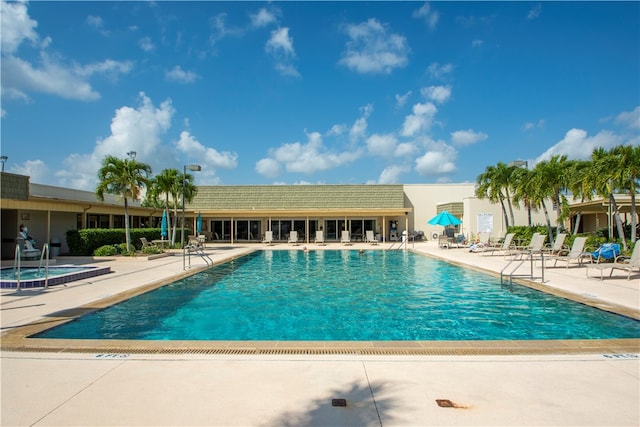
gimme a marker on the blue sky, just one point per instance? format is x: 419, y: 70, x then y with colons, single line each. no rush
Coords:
x: 314, y: 92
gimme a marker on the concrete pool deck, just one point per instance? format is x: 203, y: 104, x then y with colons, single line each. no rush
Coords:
x: 113, y: 385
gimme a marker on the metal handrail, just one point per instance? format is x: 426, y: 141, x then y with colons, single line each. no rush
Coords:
x: 45, y: 250
x: 530, y: 256
x: 16, y: 263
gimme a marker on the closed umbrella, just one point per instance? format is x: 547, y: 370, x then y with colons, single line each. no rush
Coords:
x: 444, y: 218
x: 163, y: 225
x: 199, y: 223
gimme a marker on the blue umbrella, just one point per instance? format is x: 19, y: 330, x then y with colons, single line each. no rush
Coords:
x: 163, y: 226
x: 444, y: 218
x: 199, y: 223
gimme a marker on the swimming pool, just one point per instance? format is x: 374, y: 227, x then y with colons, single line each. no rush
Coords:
x: 34, y: 277
x: 345, y: 295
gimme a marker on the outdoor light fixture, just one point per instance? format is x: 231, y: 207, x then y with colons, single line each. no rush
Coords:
x: 194, y: 168
x: 132, y: 154
x: 3, y: 159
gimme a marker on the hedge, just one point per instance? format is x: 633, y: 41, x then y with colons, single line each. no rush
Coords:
x: 84, y: 242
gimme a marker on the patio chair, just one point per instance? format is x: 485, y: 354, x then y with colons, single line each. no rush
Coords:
x: 505, y: 248
x: 319, y: 237
x: 268, y: 238
x: 621, y: 262
x: 147, y: 244
x: 293, y: 237
x: 557, y: 246
x: 574, y: 254
x: 606, y: 252
x: 346, y: 237
x: 370, y: 238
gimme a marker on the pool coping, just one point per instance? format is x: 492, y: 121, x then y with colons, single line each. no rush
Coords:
x: 17, y: 338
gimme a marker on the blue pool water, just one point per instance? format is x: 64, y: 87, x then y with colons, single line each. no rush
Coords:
x: 345, y: 295
x: 34, y: 277
x: 27, y: 273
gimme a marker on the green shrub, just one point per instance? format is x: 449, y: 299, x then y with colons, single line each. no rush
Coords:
x: 151, y: 250
x: 106, y: 250
x: 85, y: 242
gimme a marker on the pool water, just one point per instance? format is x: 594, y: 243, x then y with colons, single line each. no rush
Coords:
x: 345, y: 295
x: 27, y: 273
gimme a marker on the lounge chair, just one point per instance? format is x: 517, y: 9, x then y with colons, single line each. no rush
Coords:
x: 574, y: 254
x: 444, y: 241
x: 268, y: 238
x: 505, y: 247
x: 319, y: 237
x: 606, y: 251
x: 147, y: 244
x: 557, y: 247
x: 346, y: 237
x: 370, y: 238
x: 620, y: 263
x: 195, y: 242
x: 293, y: 237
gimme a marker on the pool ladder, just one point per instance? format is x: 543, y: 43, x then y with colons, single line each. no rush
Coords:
x: 43, y: 258
x: 519, y: 260
x: 200, y: 251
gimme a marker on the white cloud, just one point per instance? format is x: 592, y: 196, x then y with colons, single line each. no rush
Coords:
x: 467, y: 137
x: 438, y: 160
x: 439, y: 94
x: 208, y: 156
x: 420, y: 120
x: 577, y: 145
x: 372, y: 48
x: 534, y: 12
x: 109, y: 67
x: 263, y: 18
x: 132, y: 129
x: 401, y: 100
x: 533, y: 125
x: 146, y: 44
x: 177, y: 74
x: 382, y: 145
x: 16, y: 26
x: 97, y: 23
x: 630, y: 119
x: 37, y: 170
x: 359, y: 129
x: 406, y: 149
x: 431, y: 17
x: 287, y: 70
x: 280, y: 42
x: 477, y: 43
x: 439, y: 72
x: 309, y: 157
x: 391, y: 174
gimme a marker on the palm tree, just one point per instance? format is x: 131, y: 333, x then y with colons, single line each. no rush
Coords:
x: 578, y: 185
x: 523, y: 190
x: 190, y: 191
x: 123, y: 178
x: 491, y: 184
x: 604, y: 178
x: 541, y: 191
x: 169, y: 185
x: 627, y: 175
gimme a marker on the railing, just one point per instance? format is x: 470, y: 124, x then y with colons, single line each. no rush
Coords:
x: 522, y: 258
x: 16, y: 265
x: 44, y: 258
x: 199, y: 250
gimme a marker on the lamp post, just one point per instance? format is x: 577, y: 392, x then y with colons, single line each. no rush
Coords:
x: 3, y: 159
x: 195, y: 168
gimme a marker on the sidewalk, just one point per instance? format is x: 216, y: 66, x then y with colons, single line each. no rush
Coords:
x: 204, y: 388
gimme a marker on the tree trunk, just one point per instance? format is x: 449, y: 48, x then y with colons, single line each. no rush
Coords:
x: 504, y: 212
x: 634, y: 222
x: 577, y: 226
x: 549, y: 226
x: 127, y: 234
x: 616, y: 215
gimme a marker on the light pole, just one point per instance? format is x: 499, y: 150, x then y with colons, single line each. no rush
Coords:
x: 195, y: 168
x: 3, y: 159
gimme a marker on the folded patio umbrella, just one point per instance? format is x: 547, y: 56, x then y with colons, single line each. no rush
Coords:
x: 163, y: 225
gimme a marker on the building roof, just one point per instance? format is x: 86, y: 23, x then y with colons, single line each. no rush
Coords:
x: 287, y: 197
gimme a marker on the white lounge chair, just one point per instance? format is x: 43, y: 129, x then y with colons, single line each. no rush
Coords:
x: 558, y: 245
x: 620, y: 263
x: 346, y: 237
x: 574, y: 254
x: 293, y: 237
x: 319, y: 237
x: 146, y: 243
x: 505, y: 247
x: 370, y: 238
x: 268, y: 238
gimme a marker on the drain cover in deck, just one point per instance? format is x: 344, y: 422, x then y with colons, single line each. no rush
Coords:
x: 338, y: 402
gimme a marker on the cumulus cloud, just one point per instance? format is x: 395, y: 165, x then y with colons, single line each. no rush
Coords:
x: 533, y: 125
x: 391, y: 174
x: 382, y: 145
x: 136, y: 129
x: 401, y: 100
x: 177, y: 74
x: 429, y: 16
x: 146, y: 44
x: 420, y: 120
x: 439, y: 94
x: 17, y: 26
x: 629, y: 119
x: 437, y: 160
x: 467, y: 137
x: 359, y: 129
x: 37, y: 170
x: 210, y: 158
x: 578, y: 145
x: 97, y: 23
x: 373, y: 48
x: 280, y: 47
x: 439, y: 72
x: 263, y: 18
x: 51, y: 76
x: 308, y: 158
